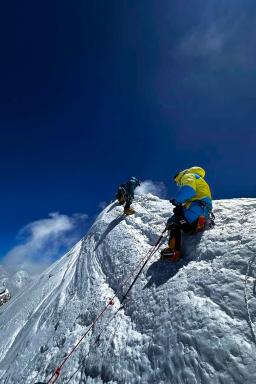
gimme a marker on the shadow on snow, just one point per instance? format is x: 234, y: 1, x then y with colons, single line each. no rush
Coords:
x: 110, y: 227
x: 115, y: 204
x: 161, y: 271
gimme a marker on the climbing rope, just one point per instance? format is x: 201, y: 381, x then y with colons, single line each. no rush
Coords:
x: 246, y: 299
x: 96, y: 341
x: 150, y: 254
x: 246, y: 296
x: 144, y: 260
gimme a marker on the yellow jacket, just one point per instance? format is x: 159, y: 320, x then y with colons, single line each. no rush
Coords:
x: 193, y: 187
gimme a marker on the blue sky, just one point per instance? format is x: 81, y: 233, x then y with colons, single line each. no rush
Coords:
x: 93, y: 92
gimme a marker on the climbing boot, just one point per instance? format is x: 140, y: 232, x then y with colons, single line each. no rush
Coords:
x: 129, y: 211
x: 170, y: 255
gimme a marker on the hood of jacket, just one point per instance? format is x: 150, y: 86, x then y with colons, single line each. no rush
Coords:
x: 193, y: 170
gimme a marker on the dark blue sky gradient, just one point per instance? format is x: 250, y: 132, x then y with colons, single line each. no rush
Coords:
x: 93, y: 92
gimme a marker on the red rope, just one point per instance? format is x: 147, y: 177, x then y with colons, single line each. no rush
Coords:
x: 146, y: 258
x: 57, y: 370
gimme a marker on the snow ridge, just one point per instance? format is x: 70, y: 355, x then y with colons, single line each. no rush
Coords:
x: 191, y: 322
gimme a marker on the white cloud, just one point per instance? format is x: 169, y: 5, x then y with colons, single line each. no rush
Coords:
x: 42, y: 241
x: 102, y: 204
x: 149, y: 186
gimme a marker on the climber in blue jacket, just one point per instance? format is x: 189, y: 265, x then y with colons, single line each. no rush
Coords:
x: 193, y: 205
x: 125, y: 194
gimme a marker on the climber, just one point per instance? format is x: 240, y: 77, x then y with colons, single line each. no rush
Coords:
x: 125, y: 194
x: 193, y: 205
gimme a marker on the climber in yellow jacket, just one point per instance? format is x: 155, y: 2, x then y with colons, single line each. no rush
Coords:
x: 193, y: 204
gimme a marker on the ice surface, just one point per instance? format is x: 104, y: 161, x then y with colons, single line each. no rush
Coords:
x: 186, y: 323
x: 14, y: 280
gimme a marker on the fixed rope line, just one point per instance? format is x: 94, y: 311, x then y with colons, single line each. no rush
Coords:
x: 56, y: 374
x: 246, y: 296
x: 153, y: 251
x: 96, y: 341
x: 145, y: 260
x: 148, y: 256
x: 249, y: 265
x: 142, y: 260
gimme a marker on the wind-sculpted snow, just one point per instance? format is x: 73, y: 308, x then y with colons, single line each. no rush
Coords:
x: 186, y: 323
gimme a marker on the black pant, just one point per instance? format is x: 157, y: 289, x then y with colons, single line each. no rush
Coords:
x: 124, y: 197
x: 176, y: 225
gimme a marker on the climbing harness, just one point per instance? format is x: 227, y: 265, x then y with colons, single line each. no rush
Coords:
x: 111, y: 302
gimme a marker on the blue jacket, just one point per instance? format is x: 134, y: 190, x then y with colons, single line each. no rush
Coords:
x: 194, y: 193
x: 130, y: 186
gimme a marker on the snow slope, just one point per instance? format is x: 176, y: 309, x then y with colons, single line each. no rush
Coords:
x: 186, y: 323
x: 14, y: 280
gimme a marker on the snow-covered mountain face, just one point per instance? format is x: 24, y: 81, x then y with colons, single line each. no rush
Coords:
x: 14, y: 280
x: 189, y: 322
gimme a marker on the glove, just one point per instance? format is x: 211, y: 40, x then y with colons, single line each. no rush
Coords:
x: 178, y: 210
x: 169, y: 223
x: 174, y: 202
